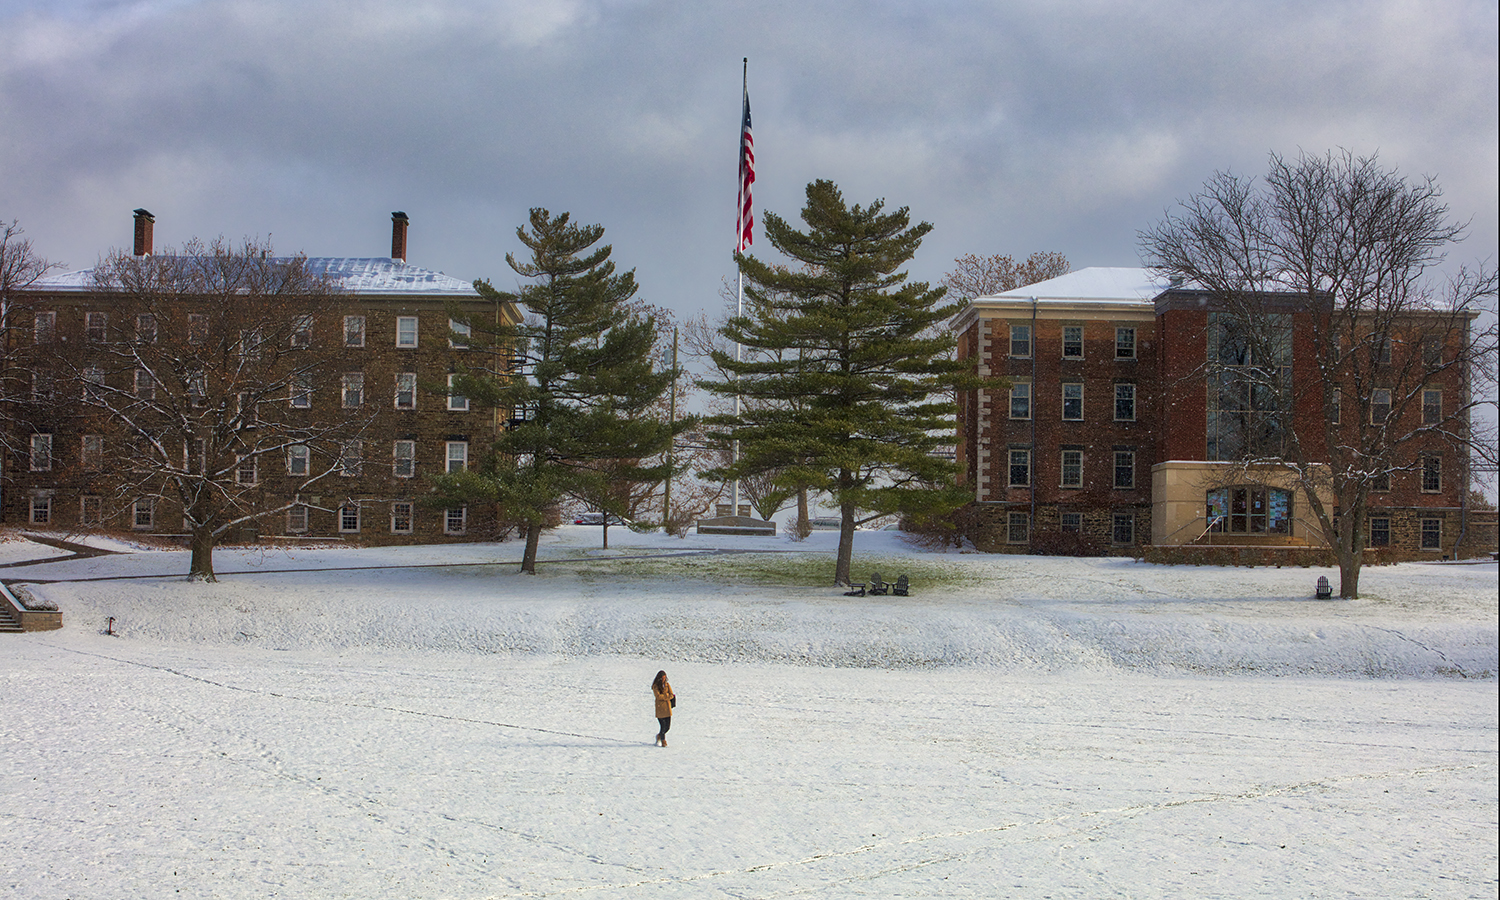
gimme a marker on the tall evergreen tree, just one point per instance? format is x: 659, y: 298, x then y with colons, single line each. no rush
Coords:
x: 841, y: 329
x: 581, y: 382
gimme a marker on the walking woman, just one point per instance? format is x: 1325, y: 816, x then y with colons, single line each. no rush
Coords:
x: 665, y: 700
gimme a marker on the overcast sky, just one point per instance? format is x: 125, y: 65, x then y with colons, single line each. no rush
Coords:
x: 1012, y: 127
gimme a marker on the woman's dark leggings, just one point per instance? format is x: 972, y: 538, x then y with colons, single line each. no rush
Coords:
x: 666, y: 725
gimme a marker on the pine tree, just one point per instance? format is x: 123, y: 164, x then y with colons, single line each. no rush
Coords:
x: 841, y: 331
x: 581, y: 382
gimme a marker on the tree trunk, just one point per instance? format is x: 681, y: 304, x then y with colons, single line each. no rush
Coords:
x: 1349, y: 566
x: 605, y: 532
x: 533, y: 538
x: 202, y: 566
x: 846, y: 544
x: 804, y: 524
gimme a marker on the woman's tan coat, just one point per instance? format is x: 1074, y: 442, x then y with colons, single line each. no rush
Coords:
x: 664, y: 698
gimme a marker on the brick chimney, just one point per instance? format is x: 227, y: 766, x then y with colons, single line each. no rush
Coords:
x: 398, y: 235
x: 143, y: 227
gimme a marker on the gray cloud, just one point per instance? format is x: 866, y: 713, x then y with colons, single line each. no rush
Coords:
x: 1012, y: 127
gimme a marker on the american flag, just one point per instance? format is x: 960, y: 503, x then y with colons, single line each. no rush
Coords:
x: 747, y: 178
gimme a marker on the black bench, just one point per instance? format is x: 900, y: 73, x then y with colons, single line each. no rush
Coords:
x: 1325, y: 590
x: 856, y: 589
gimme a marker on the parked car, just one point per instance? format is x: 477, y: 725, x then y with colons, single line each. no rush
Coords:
x: 595, y: 518
x: 825, y: 523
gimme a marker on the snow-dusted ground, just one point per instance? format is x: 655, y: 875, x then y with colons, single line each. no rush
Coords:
x: 425, y: 722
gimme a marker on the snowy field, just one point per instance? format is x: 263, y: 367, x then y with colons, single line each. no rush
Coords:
x: 426, y: 723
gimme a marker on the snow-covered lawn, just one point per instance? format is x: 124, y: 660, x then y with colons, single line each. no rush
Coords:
x: 425, y: 722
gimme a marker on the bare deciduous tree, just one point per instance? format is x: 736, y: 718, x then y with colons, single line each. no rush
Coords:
x: 20, y: 268
x: 982, y: 276
x: 1397, y: 347
x: 195, y: 379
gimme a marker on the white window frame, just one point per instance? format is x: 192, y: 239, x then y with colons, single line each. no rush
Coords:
x: 456, y: 402
x: 351, y: 458
x: 407, y: 332
x: 297, y: 518
x: 1078, y: 400
x: 1115, y: 522
x: 1430, y: 464
x: 1125, y: 342
x: 409, y: 458
x: 349, y: 516
x: 456, y: 520
x: 300, y: 392
x: 41, y: 452
x: 91, y: 510
x: 406, y: 390
x: 1023, y: 454
x: 1432, y: 406
x: 301, y: 336
x: 354, y: 331
x: 456, y: 452
x: 459, y: 334
x: 352, y: 390
x: 1380, y: 406
x: 145, y: 385
x: 1076, y: 466
x: 143, y: 514
x: 41, y: 509
x: 1125, y: 393
x: 397, y: 513
x: 44, y: 327
x: 1068, y: 344
x: 1020, y: 400
x: 298, y: 456
x: 1016, y: 339
x: 96, y: 327
x: 1021, y: 521
x: 145, y: 328
x: 247, y: 470
x: 91, y: 452
x: 1430, y: 527
x: 1124, y: 459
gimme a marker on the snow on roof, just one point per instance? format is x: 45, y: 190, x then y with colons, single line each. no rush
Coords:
x: 1094, y: 284
x: 373, y: 275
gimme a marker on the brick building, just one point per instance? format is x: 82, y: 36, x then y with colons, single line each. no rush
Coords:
x: 386, y: 348
x: 1110, y: 434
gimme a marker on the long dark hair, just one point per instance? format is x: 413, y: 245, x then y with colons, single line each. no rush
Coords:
x: 659, y: 680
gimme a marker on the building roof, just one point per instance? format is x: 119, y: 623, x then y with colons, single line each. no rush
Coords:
x: 372, y: 276
x: 1095, y: 284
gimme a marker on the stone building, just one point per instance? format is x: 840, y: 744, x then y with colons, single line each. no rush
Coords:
x: 385, y: 347
x: 1109, y: 435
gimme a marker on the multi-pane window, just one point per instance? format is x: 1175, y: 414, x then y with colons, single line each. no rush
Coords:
x: 1335, y: 406
x: 459, y: 334
x: 406, y: 390
x: 90, y: 510
x: 145, y: 328
x: 298, y: 460
x: 1124, y: 402
x: 41, y: 453
x: 1124, y: 469
x: 95, y: 326
x: 1249, y: 385
x: 1020, y: 341
x: 1072, y: 468
x: 1432, y: 407
x: 197, y: 389
x: 1380, y: 406
x: 1432, y: 534
x: 406, y: 331
x: 456, y: 402
x: 349, y: 518
x: 354, y: 331
x: 1124, y: 343
x: 1380, y: 531
x: 41, y: 509
x: 1122, y: 528
x: 1380, y: 351
x: 244, y: 470
x: 44, y: 328
x: 1432, y: 353
x: 401, y: 517
x: 456, y: 520
x: 1020, y: 467
x: 1072, y: 342
x: 1380, y: 483
x: 92, y: 455
x: 405, y: 455
x: 351, y: 456
x: 1020, y: 400
x: 93, y: 384
x: 197, y: 328
x: 353, y: 390
x: 143, y: 513
x: 1250, y: 509
x: 145, y: 385
x: 1071, y: 522
x: 41, y: 387
x: 1432, y: 474
x: 458, y: 456
x: 1017, y: 528
x: 296, y: 519
x: 301, y: 392
x: 1072, y: 402
x: 302, y: 331
x: 250, y: 341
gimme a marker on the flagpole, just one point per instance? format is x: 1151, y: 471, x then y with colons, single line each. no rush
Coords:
x: 739, y: 278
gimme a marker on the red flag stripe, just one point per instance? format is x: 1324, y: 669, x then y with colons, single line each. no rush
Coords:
x: 746, y: 224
